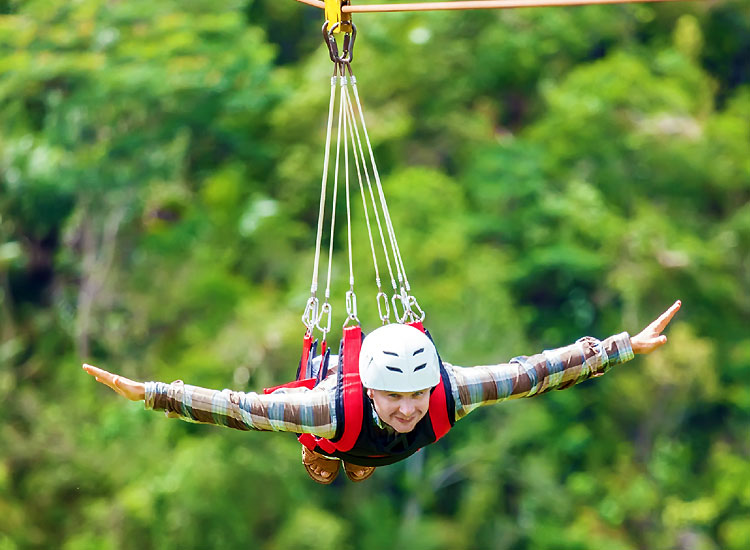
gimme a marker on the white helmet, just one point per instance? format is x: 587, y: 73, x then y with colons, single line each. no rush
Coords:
x: 398, y: 358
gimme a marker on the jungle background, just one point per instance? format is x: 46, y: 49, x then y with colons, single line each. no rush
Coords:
x: 551, y: 173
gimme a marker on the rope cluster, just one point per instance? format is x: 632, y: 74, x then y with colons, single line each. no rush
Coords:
x: 351, y: 139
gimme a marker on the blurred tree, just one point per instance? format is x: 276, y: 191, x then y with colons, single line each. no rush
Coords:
x: 551, y: 173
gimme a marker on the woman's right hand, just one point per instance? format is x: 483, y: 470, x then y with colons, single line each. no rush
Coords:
x: 130, y: 389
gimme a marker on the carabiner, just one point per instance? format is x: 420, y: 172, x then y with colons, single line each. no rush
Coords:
x: 328, y: 38
x: 333, y: 48
x: 382, y: 299
x: 351, y: 308
x: 310, y: 315
x: 404, y: 304
x: 325, y: 310
x: 417, y: 313
x: 349, y: 39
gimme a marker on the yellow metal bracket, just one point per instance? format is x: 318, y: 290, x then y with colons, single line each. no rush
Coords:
x: 335, y: 15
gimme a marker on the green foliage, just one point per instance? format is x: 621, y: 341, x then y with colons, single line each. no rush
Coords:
x: 551, y: 173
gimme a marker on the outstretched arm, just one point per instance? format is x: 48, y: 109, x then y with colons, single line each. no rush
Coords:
x: 299, y: 411
x: 553, y: 369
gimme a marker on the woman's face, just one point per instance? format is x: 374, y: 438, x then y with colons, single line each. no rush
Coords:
x: 400, y: 410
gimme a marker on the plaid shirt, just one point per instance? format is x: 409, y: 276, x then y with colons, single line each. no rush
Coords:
x: 313, y: 411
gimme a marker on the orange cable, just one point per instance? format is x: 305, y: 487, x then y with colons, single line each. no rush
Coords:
x: 473, y: 5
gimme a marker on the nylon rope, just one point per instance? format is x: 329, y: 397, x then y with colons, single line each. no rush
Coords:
x: 351, y: 297
x: 348, y: 131
x: 335, y: 193
x: 354, y: 134
x: 400, y: 271
x: 361, y: 154
x: 344, y: 109
x: 381, y: 298
x: 376, y: 174
x: 321, y: 211
x: 310, y: 315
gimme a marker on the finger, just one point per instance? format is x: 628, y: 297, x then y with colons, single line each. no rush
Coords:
x: 663, y: 320
x: 114, y: 381
x: 90, y: 369
x: 96, y: 371
x: 119, y: 389
x: 106, y: 382
x: 107, y: 378
x: 653, y: 343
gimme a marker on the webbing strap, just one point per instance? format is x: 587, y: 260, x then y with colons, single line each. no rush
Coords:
x: 301, y: 380
x: 438, y: 411
x: 352, y: 388
x: 307, y: 342
x: 308, y: 383
x: 310, y: 441
x: 416, y: 324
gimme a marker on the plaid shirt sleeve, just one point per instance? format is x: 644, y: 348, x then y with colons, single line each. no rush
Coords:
x: 529, y: 376
x: 296, y: 410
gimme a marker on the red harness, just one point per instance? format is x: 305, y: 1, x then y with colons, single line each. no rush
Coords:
x: 352, y: 394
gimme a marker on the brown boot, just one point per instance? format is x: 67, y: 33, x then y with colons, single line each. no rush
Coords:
x: 358, y: 473
x: 319, y: 468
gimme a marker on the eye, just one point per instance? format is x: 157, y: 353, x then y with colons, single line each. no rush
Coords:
x: 418, y: 394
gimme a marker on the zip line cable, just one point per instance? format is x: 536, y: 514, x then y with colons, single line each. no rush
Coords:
x: 473, y: 5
